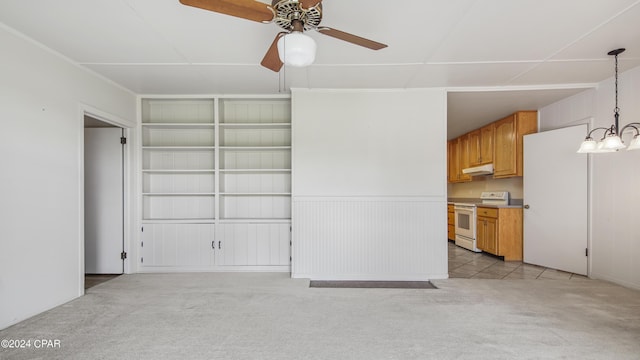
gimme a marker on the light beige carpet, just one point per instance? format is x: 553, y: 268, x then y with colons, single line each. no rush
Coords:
x: 270, y: 316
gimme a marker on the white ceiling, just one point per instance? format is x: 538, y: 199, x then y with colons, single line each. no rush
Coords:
x: 481, y: 49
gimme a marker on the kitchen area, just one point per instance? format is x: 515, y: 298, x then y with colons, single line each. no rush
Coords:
x: 485, y: 200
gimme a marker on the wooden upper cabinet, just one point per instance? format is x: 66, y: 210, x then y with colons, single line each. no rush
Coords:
x: 457, y: 159
x: 487, y: 144
x: 499, y: 143
x: 508, y: 149
x: 504, y: 162
x: 452, y: 160
x: 481, y: 146
x: 463, y: 157
x: 475, y: 147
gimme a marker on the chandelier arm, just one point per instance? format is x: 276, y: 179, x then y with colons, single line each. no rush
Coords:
x: 635, y: 126
x: 599, y: 128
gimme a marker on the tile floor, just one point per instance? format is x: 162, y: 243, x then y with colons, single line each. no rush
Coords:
x: 91, y: 280
x: 469, y: 265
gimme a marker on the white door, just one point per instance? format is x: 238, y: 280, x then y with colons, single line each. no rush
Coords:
x: 555, y: 198
x: 103, y: 201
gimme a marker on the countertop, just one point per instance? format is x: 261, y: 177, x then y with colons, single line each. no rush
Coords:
x: 513, y: 203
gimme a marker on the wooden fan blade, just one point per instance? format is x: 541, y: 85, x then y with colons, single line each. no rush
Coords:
x: 373, y: 45
x: 245, y: 9
x: 308, y: 4
x: 271, y: 59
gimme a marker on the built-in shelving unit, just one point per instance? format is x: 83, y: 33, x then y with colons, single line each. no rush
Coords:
x: 255, y: 160
x: 178, y: 152
x: 223, y: 163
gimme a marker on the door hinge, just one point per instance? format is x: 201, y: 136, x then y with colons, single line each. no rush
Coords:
x: 142, y: 229
x: 290, y: 229
x: 141, y: 243
x: 290, y: 258
x: 123, y: 140
x: 123, y: 255
x: 142, y: 260
x: 586, y: 251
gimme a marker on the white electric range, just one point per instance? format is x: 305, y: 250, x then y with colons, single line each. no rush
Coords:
x: 466, y: 217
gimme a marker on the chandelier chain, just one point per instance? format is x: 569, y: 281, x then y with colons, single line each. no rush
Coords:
x: 617, y: 109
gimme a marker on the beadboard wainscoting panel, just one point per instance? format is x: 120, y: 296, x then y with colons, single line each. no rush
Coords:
x: 344, y: 238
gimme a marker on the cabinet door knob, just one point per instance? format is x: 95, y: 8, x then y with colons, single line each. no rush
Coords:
x: 526, y: 206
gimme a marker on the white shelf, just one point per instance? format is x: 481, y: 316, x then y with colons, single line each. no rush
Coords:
x: 178, y: 171
x: 243, y: 148
x: 254, y: 194
x: 254, y: 220
x: 256, y: 125
x: 179, y: 221
x: 255, y: 170
x: 178, y: 125
x: 177, y: 194
x: 173, y: 148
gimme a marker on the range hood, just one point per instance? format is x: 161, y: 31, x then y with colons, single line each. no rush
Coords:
x: 479, y: 170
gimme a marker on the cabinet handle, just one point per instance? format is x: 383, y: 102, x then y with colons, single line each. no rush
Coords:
x: 526, y: 206
x: 213, y: 244
x: 219, y: 246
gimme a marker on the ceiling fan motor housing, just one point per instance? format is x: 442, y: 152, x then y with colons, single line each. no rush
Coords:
x: 288, y: 11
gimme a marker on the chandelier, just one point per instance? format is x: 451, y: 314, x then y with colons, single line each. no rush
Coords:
x: 611, y: 140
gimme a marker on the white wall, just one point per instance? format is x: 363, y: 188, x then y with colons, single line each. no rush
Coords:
x: 369, y: 184
x: 615, y: 199
x: 40, y: 173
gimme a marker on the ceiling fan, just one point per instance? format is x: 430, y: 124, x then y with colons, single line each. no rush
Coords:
x: 294, y: 16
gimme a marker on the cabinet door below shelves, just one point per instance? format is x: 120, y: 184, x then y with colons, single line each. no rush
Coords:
x: 451, y: 229
x: 487, y: 234
x: 253, y: 244
x: 177, y: 245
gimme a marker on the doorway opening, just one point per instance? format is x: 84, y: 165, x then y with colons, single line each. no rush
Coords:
x: 104, y: 247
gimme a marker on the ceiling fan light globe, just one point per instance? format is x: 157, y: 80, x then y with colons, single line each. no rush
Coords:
x: 297, y: 49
